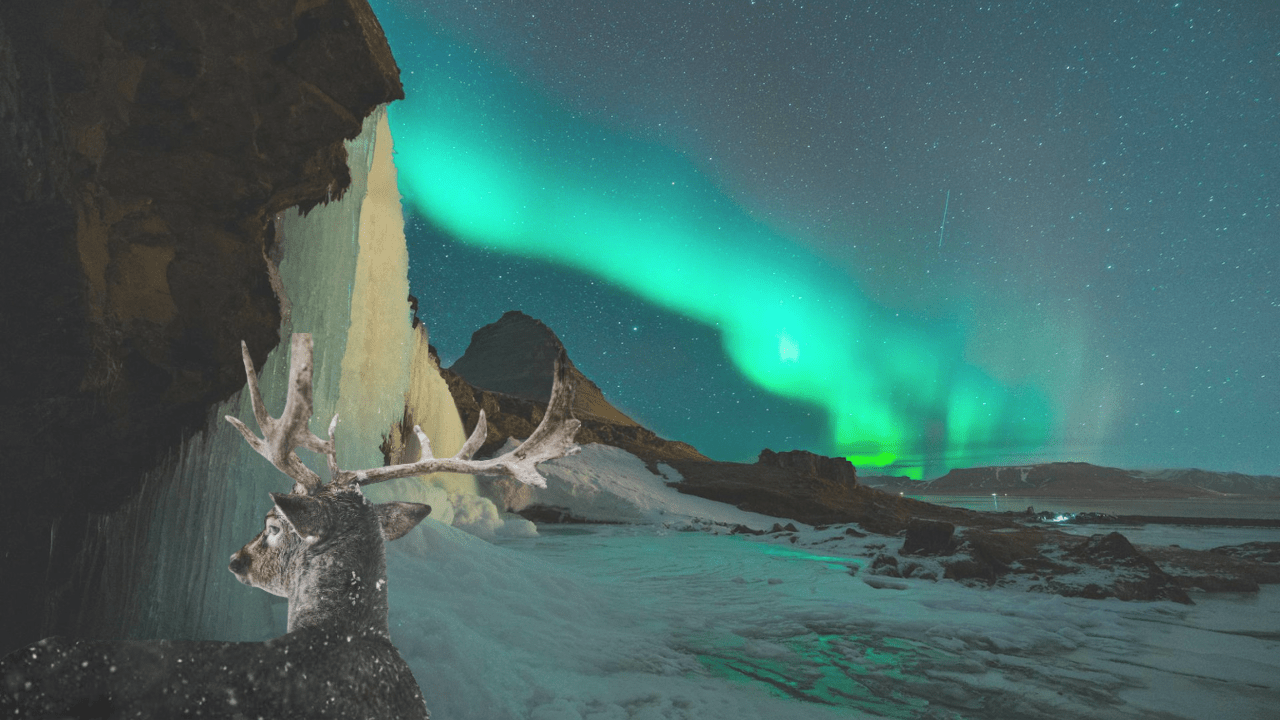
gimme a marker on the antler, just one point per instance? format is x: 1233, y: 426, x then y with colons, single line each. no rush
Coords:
x: 552, y: 439
x: 281, y: 435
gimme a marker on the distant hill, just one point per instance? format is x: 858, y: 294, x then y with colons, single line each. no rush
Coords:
x: 1074, y: 479
x: 1223, y: 482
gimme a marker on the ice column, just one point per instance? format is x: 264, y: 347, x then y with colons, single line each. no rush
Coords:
x: 159, y: 565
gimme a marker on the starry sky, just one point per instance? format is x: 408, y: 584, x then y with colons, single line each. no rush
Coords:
x: 921, y: 235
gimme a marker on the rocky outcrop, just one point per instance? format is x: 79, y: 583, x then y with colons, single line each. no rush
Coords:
x: 989, y: 554
x: 1101, y: 566
x: 145, y: 148
x: 1138, y: 577
x: 1263, y: 552
x: 784, y: 492
x: 836, y: 469
x: 928, y: 537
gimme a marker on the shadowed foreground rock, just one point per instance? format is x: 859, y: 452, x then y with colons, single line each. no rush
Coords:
x: 928, y: 537
x: 146, y: 148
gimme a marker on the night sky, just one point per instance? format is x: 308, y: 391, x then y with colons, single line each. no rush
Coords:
x: 919, y: 235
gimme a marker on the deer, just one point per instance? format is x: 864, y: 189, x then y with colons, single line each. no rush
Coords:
x: 322, y: 546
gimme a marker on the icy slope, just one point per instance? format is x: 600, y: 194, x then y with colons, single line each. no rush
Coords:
x: 644, y: 622
x: 607, y: 484
x: 671, y: 616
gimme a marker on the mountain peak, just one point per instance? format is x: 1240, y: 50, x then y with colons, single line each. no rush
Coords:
x: 516, y: 356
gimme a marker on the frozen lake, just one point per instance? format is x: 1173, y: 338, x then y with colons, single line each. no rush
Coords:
x: 646, y: 622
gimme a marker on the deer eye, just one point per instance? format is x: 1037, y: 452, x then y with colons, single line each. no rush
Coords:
x: 273, y: 529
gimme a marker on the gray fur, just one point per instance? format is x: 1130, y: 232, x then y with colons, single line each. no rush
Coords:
x: 336, y: 661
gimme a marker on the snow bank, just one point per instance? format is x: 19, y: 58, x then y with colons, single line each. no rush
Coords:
x: 640, y: 621
x: 496, y: 633
x: 606, y: 484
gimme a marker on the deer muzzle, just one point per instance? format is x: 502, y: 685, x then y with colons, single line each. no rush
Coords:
x: 240, y: 566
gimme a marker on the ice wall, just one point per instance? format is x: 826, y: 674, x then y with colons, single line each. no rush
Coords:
x: 159, y: 566
x: 386, y: 367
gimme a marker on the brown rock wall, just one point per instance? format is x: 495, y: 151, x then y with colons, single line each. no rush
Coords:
x: 145, y: 146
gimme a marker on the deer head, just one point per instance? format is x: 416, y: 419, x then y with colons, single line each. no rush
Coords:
x: 321, y: 545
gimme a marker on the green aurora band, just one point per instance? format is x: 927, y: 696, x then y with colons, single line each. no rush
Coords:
x: 497, y: 165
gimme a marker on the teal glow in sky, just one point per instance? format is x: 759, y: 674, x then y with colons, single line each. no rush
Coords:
x: 526, y: 132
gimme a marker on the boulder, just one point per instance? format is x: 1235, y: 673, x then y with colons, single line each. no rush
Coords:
x: 1135, y: 576
x: 928, y: 537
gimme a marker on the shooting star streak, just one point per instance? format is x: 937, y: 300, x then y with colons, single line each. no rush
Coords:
x: 943, y: 228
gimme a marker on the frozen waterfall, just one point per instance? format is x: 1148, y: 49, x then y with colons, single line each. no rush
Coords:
x: 159, y: 565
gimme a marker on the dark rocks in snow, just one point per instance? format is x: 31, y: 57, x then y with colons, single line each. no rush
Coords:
x: 1239, y: 568
x: 1263, y: 552
x: 1101, y: 566
x: 1137, y: 577
x: 928, y: 537
x: 990, y: 554
x: 1112, y: 549
x: 886, y: 565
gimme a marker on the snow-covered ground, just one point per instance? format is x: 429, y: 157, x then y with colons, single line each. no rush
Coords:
x: 672, y: 617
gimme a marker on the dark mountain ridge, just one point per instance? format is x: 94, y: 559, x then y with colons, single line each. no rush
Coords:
x: 1084, y: 480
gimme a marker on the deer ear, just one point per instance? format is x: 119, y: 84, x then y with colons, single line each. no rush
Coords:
x: 306, y: 514
x: 398, y: 518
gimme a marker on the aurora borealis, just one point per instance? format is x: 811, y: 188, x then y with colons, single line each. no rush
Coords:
x: 732, y: 214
